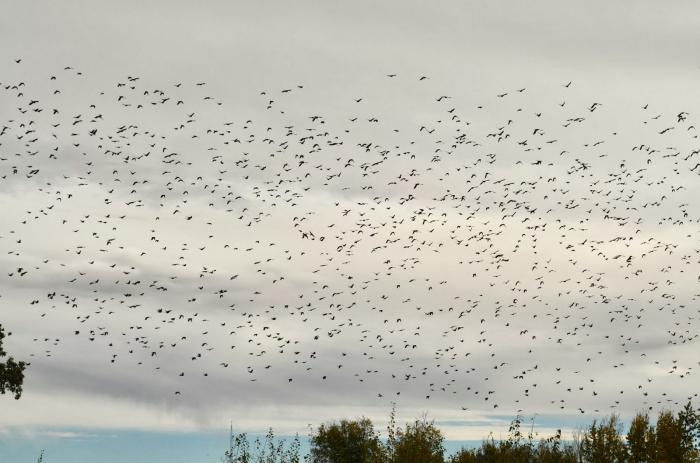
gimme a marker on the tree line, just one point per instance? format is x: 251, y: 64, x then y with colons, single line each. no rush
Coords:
x: 673, y: 438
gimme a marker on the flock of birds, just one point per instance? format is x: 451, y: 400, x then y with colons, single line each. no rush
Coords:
x: 514, y: 252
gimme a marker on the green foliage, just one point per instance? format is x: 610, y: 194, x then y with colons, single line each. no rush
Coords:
x: 603, y: 442
x: 391, y: 434
x: 419, y: 441
x: 266, y: 450
x: 239, y: 449
x: 11, y: 372
x: 674, y: 439
x: 349, y: 441
x: 551, y: 450
x: 689, y: 420
x: 517, y: 448
x: 641, y: 440
x: 669, y: 439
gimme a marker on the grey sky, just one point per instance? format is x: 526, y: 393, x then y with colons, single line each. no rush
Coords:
x: 367, y: 300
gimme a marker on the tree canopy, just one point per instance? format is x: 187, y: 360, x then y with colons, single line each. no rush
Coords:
x: 11, y: 371
x: 674, y: 438
x: 349, y: 441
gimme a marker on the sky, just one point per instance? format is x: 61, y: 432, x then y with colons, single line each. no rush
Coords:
x: 331, y: 207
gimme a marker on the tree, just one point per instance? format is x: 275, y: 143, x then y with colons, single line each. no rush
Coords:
x: 350, y: 441
x: 421, y: 442
x: 577, y: 443
x: 689, y: 420
x: 551, y: 450
x: 11, y: 372
x: 602, y: 442
x: 464, y: 456
x: 516, y: 448
x: 669, y: 439
x: 392, y: 432
x: 641, y: 440
x: 267, y: 450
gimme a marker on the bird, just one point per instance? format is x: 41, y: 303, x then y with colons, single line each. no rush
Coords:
x: 482, y: 258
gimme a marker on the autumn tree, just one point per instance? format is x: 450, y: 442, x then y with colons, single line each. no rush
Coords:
x: 11, y: 372
x: 669, y: 439
x: 641, y: 440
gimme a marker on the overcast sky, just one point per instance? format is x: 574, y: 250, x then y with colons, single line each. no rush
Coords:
x: 323, y: 233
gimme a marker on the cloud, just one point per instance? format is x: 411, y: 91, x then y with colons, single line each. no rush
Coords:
x: 407, y: 250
